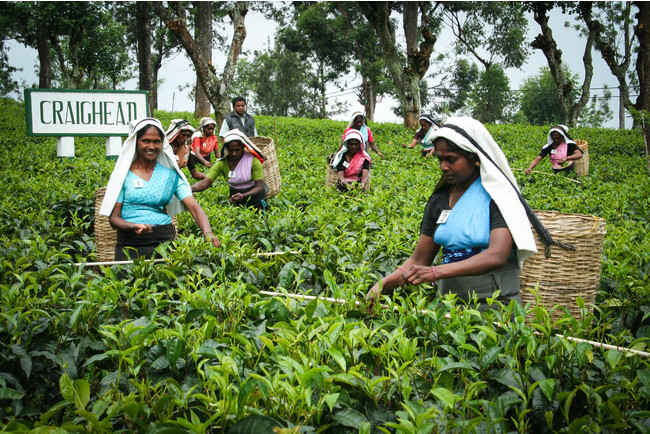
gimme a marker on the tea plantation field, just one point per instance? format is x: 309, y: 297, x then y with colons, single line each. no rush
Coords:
x: 192, y: 346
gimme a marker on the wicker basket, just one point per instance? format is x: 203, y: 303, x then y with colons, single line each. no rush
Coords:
x: 331, y: 179
x: 271, y: 167
x: 582, y: 165
x: 105, y: 235
x: 566, y: 274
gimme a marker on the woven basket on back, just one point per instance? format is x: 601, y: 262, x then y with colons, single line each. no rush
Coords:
x: 105, y: 235
x: 271, y: 167
x: 566, y: 274
x: 331, y: 179
x: 582, y: 165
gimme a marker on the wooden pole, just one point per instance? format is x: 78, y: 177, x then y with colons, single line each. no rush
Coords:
x: 448, y: 316
x: 157, y: 261
x: 550, y: 174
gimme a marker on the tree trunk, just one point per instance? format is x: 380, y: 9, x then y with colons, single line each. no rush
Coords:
x: 405, y: 76
x: 145, y: 69
x: 44, y: 59
x: 203, y: 35
x: 546, y: 43
x: 642, y: 32
x: 215, y: 88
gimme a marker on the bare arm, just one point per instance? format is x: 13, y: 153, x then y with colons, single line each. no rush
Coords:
x: 259, y: 187
x: 376, y: 149
x: 202, y: 185
x: 365, y: 174
x: 533, y: 164
x: 117, y: 222
x: 201, y: 219
x: 495, y: 256
x: 423, y: 255
x: 412, y: 145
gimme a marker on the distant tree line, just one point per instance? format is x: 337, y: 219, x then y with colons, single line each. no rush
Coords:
x: 390, y: 46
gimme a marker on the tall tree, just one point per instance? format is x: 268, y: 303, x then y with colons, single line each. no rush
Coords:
x: 491, y: 96
x: 491, y: 32
x: 547, y: 44
x: 538, y: 100
x: 420, y: 26
x: 145, y: 70
x: 322, y: 41
x: 215, y: 87
x: 615, y: 42
x: 203, y: 35
x: 642, y: 32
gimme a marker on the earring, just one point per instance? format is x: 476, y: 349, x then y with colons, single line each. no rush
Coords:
x: 478, y: 163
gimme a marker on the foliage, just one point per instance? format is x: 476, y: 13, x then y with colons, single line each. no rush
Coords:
x: 538, y: 100
x: 7, y: 84
x: 599, y: 111
x: 192, y: 345
x: 492, y: 100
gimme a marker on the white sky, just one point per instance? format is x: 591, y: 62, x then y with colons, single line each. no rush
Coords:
x: 178, y: 72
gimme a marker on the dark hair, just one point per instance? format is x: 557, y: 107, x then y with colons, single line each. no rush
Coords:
x: 141, y: 132
x: 234, y: 141
x: 472, y: 157
x: 237, y: 99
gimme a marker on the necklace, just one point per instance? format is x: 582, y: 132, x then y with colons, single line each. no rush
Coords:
x: 451, y: 196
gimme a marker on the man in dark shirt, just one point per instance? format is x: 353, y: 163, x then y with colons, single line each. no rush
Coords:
x: 238, y: 119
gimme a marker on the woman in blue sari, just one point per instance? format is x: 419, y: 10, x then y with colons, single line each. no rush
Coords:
x: 474, y: 217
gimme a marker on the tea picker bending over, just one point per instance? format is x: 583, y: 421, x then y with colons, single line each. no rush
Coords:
x: 146, y: 189
x: 204, y: 142
x: 475, y: 216
x: 561, y: 150
x: 241, y: 166
x: 423, y: 135
x: 178, y: 133
x: 352, y: 162
x: 358, y: 122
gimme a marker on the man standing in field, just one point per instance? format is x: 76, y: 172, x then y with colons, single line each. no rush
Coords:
x: 238, y: 119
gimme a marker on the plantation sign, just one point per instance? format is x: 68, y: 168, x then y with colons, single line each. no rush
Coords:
x: 68, y: 113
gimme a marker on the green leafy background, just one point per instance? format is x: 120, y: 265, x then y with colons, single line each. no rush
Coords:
x: 191, y: 345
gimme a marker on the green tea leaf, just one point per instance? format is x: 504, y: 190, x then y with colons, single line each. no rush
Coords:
x: 66, y: 387
x: 445, y: 396
x: 351, y: 418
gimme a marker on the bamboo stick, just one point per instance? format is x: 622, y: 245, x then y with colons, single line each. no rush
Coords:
x: 156, y: 261
x: 448, y: 316
x: 549, y: 174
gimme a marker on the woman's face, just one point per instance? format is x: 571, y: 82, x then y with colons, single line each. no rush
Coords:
x: 182, y: 137
x: 455, y: 167
x: 208, y: 130
x: 358, y: 122
x: 235, y: 150
x: 353, y: 146
x: 556, y: 138
x: 149, y: 144
x: 424, y: 125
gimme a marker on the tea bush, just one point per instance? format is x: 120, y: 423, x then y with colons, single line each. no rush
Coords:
x: 193, y: 345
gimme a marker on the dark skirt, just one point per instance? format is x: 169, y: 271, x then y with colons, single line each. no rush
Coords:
x: 257, y: 201
x: 142, y: 245
x: 567, y: 169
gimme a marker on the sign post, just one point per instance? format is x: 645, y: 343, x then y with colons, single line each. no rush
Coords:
x: 68, y: 113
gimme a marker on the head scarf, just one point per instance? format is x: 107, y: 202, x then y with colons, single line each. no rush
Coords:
x: 175, y: 128
x: 128, y: 154
x: 561, y: 129
x: 496, y: 176
x: 351, y: 134
x: 206, y: 121
x: 354, y: 115
x: 428, y: 119
x: 249, y: 146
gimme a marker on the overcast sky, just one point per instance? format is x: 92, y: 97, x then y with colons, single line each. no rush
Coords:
x: 177, y: 72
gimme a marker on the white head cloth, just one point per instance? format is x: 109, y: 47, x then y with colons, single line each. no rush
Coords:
x: 563, y: 130
x: 494, y: 181
x: 127, y: 156
x: 352, y: 134
x: 174, y: 130
x: 249, y: 146
x: 354, y: 115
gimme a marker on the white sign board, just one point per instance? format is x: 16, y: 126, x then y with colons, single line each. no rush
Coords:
x: 63, y: 112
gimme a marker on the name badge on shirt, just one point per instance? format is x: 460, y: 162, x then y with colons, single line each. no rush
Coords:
x: 553, y: 151
x: 444, y: 215
x: 138, y: 183
x: 231, y: 174
x: 346, y: 164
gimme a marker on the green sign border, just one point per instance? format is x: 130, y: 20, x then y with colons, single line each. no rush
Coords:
x: 28, y: 113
